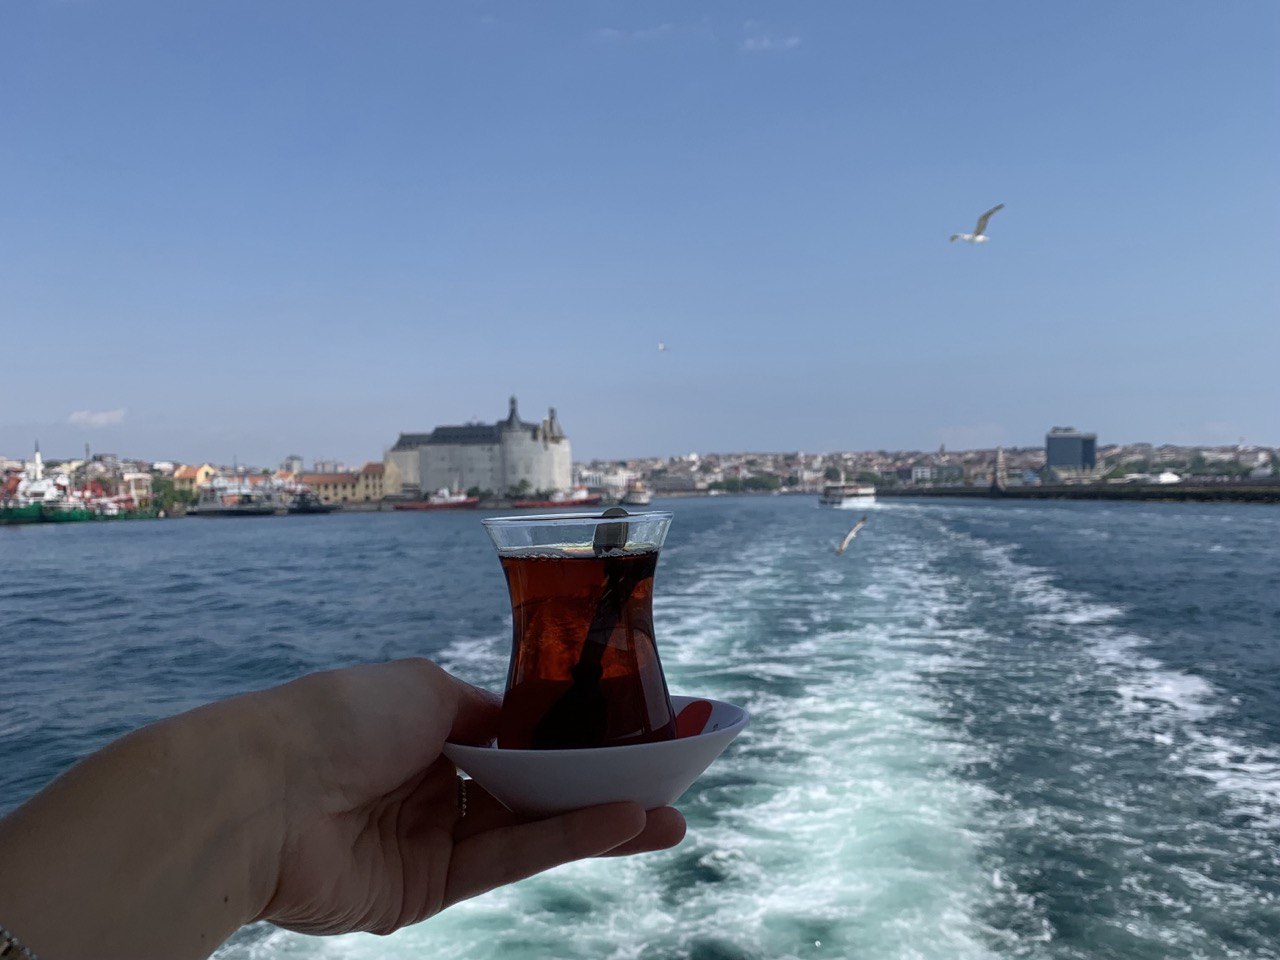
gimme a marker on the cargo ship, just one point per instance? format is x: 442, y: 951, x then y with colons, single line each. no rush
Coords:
x: 31, y: 496
x: 14, y: 512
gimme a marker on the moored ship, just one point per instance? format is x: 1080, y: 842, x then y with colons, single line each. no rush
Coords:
x: 236, y: 498
x: 14, y: 512
x: 578, y: 497
x: 308, y: 501
x: 32, y: 496
x: 442, y: 499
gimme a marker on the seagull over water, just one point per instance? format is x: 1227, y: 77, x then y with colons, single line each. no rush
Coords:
x: 662, y: 347
x: 979, y: 234
x: 848, y: 538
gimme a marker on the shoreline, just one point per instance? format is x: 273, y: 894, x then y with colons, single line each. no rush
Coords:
x: 1148, y: 492
x: 1157, y: 492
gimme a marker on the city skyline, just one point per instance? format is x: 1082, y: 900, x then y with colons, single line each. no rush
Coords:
x: 236, y: 230
x: 296, y: 462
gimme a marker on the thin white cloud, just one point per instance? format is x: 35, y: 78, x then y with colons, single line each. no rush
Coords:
x: 653, y: 33
x: 766, y: 44
x: 759, y: 39
x: 662, y: 31
x: 96, y: 418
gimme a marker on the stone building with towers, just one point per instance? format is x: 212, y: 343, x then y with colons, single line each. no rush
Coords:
x: 507, y: 456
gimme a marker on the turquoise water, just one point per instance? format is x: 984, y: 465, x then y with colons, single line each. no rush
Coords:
x: 989, y: 730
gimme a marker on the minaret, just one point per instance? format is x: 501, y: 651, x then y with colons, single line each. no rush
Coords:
x: 998, y: 478
x: 37, y: 465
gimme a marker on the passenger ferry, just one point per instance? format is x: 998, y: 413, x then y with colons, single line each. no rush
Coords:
x: 847, y: 495
x: 637, y: 495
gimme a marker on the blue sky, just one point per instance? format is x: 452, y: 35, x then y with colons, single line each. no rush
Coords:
x: 254, y: 228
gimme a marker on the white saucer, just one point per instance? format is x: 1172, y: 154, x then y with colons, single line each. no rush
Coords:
x: 547, y: 782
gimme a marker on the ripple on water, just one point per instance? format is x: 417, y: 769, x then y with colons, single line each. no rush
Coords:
x: 967, y: 740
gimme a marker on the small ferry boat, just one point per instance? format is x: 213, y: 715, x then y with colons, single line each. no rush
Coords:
x: 847, y: 495
x: 235, y: 498
x: 307, y: 501
x: 442, y: 499
x: 636, y: 495
x: 578, y: 497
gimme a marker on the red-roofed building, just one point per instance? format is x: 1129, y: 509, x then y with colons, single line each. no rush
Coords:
x: 369, y: 485
x: 374, y: 484
x: 189, y: 478
x: 331, y: 487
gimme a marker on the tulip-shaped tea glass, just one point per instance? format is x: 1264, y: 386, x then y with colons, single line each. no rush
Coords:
x: 584, y: 666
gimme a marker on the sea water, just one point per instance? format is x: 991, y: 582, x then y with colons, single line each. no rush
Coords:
x: 988, y: 730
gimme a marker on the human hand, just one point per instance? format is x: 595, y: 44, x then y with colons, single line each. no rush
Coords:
x: 323, y: 805
x: 371, y: 834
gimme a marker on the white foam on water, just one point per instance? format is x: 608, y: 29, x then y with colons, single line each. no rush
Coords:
x: 838, y: 818
x: 1163, y: 704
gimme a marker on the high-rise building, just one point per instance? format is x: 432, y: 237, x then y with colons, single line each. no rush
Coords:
x: 1070, y: 449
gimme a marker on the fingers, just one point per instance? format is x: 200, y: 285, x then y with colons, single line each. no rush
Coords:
x: 510, y: 853
x: 356, y: 734
x: 664, y: 828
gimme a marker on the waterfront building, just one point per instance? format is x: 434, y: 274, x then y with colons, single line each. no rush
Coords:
x: 676, y: 483
x: 406, y: 458
x: 1066, y: 447
x: 923, y: 473
x: 332, y: 487
x: 189, y: 479
x: 366, y: 485
x: 292, y: 464
x: 135, y: 484
x: 949, y: 473
x: 507, y: 456
x: 610, y: 482
x: 377, y: 480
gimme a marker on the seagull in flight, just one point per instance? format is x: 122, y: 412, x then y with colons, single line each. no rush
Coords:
x: 662, y: 347
x: 979, y: 234
x: 848, y: 538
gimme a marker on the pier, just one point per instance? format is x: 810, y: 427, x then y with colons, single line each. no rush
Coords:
x: 1172, y: 492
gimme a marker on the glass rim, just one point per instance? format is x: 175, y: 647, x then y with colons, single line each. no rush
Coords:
x: 575, y: 519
